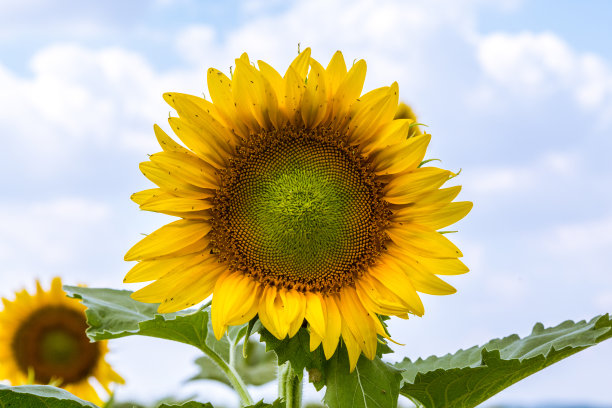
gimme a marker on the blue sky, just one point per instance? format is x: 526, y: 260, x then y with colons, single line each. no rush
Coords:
x: 516, y: 94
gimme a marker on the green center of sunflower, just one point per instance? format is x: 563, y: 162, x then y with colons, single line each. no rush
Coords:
x: 52, y: 342
x: 299, y: 209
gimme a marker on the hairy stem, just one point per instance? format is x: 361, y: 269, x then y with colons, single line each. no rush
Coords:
x: 289, y: 386
x: 232, y: 375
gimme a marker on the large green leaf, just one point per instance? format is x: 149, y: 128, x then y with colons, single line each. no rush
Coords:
x: 469, y: 377
x: 113, y: 313
x: 35, y: 396
x: 258, y: 368
x: 373, y: 383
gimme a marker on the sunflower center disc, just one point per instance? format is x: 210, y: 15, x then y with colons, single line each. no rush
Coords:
x: 53, y: 343
x: 299, y: 209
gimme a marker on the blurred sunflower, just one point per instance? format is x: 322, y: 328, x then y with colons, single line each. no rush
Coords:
x: 43, y: 341
x: 300, y: 199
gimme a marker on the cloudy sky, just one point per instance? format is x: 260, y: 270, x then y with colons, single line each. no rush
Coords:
x: 516, y: 94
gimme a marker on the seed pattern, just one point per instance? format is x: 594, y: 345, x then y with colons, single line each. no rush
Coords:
x: 299, y: 209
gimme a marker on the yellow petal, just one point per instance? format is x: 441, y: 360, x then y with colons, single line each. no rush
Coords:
x: 273, y: 77
x: 269, y: 314
x: 145, y: 195
x: 314, y: 102
x: 166, y: 142
x: 390, y: 134
x: 315, y: 340
x: 168, y: 239
x: 450, y: 266
x: 168, y: 202
x: 335, y: 72
x: 202, y: 114
x: 422, y: 280
x: 358, y: 321
x: 188, y: 168
x: 145, y: 271
x: 352, y: 346
x: 349, y: 90
x: 388, y: 276
x: 235, y: 299
x: 316, y: 313
x: 274, y: 86
x: 376, y: 297
x: 408, y: 187
x: 371, y: 117
x: 402, y: 156
x: 206, y: 147
x: 171, y: 184
x: 333, y: 328
x: 249, y: 96
x: 220, y: 89
x: 436, y: 218
x: 423, y: 241
x: 196, y: 285
x: 294, y: 90
x: 300, y: 63
x: 295, y: 307
x: 434, y: 197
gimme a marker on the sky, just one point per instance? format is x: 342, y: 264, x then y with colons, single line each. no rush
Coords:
x: 516, y: 94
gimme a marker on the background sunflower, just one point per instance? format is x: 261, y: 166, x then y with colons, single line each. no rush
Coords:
x: 43, y: 341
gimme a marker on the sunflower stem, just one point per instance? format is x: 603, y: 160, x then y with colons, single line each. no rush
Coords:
x: 232, y: 375
x: 289, y: 386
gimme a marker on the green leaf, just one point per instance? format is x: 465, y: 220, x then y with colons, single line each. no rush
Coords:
x: 257, y: 369
x: 296, y: 350
x: 373, y: 383
x: 34, y: 396
x: 190, y: 404
x: 469, y: 377
x: 261, y: 404
x: 113, y: 314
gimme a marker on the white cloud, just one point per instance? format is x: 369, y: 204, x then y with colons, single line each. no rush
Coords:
x: 51, y: 230
x: 538, y: 64
x: 391, y: 34
x: 584, y: 238
x: 43, y: 238
x: 78, y: 100
x: 512, y: 179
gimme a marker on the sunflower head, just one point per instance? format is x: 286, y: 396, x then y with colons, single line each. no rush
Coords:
x: 43, y: 341
x: 300, y: 201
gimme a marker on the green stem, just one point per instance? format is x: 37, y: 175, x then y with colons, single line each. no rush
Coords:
x: 232, y: 375
x: 289, y: 386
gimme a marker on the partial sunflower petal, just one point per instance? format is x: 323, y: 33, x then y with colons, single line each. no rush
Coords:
x: 423, y: 241
x: 168, y: 239
x: 171, y: 184
x: 316, y: 313
x: 190, y: 169
x: 333, y: 328
x: 408, y: 187
x: 401, y: 156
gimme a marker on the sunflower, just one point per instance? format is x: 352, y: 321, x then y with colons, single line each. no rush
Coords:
x: 300, y: 201
x: 43, y: 341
